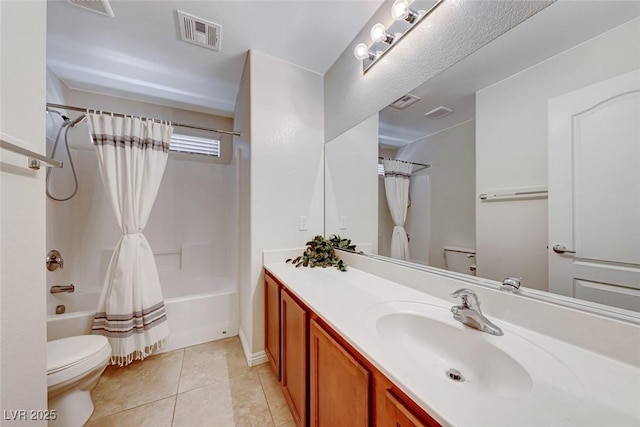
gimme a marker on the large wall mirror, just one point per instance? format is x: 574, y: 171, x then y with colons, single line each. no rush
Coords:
x: 533, y: 151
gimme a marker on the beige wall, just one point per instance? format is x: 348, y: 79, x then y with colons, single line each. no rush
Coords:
x: 242, y: 147
x: 23, y: 374
x: 283, y: 109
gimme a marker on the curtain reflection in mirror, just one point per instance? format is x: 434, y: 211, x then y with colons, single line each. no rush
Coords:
x: 397, y: 175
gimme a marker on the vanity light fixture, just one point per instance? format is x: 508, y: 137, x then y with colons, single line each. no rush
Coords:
x: 379, y: 34
x: 362, y: 52
x: 400, y: 11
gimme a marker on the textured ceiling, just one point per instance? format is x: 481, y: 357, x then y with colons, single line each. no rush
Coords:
x: 138, y: 53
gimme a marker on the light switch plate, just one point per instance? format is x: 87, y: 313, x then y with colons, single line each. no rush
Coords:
x: 303, y: 226
x: 342, y: 222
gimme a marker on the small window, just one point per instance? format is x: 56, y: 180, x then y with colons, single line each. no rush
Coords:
x: 195, y: 145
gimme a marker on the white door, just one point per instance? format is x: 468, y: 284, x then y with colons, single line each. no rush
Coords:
x: 594, y: 192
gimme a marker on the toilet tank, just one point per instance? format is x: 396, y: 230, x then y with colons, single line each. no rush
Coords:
x: 461, y: 260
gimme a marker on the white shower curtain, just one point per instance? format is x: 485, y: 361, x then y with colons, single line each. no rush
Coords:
x: 132, y: 155
x: 396, y: 185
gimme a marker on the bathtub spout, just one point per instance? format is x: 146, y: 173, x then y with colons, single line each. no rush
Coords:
x: 56, y: 289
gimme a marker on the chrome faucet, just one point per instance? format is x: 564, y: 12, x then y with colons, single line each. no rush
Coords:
x: 511, y: 284
x: 54, y: 260
x: 56, y: 289
x: 468, y: 313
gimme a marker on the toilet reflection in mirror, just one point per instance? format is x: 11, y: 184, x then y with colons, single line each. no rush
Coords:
x: 527, y: 126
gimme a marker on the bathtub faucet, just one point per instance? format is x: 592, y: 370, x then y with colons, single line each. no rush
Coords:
x: 56, y: 289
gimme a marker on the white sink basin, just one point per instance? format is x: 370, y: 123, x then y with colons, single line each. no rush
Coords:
x: 441, y: 346
x: 431, y: 342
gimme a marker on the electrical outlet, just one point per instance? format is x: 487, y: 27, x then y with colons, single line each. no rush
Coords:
x: 303, y: 226
x: 342, y: 222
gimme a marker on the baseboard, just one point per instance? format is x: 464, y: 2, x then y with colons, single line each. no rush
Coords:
x: 253, y: 359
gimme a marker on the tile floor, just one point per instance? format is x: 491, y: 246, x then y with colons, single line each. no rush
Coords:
x: 205, y: 385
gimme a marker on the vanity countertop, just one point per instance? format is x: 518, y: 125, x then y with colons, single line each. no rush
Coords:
x: 523, y: 378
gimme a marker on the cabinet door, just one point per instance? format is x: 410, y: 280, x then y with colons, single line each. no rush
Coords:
x: 272, y: 323
x: 397, y: 410
x: 294, y: 357
x: 339, y: 384
x: 397, y: 414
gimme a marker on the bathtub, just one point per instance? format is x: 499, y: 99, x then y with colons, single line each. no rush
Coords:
x: 202, y: 310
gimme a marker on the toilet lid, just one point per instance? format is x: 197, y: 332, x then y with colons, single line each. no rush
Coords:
x: 66, y: 352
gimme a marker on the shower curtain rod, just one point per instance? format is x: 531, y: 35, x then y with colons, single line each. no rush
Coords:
x: 182, y: 125
x: 424, y: 166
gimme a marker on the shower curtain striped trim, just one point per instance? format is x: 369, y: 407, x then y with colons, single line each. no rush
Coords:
x: 124, y: 325
x: 130, y: 141
x: 396, y: 174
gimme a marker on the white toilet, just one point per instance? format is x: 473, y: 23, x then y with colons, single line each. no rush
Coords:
x: 461, y: 260
x: 74, y: 366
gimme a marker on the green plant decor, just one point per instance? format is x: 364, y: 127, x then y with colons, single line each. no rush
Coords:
x: 321, y: 252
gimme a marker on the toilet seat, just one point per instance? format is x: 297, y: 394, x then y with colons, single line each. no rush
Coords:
x: 70, y: 357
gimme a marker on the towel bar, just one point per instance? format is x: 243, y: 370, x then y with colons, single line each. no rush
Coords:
x: 33, y: 157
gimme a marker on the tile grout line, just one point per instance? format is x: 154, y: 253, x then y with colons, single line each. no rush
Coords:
x: 221, y: 381
x: 175, y: 401
x: 273, y: 419
x: 129, y: 409
x: 178, y: 393
x: 203, y: 385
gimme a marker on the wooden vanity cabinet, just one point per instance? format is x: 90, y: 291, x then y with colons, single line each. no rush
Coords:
x: 326, y: 382
x: 339, y: 383
x: 294, y: 356
x: 272, y: 323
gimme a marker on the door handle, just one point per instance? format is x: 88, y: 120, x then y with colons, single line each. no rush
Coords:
x: 561, y: 249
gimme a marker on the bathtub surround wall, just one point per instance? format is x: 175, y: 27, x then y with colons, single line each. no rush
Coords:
x: 190, y: 228
x: 279, y: 111
x: 23, y: 371
x: 511, y: 149
x: 448, y: 218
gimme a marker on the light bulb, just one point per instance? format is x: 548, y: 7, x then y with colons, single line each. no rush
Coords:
x: 361, y: 51
x: 378, y: 33
x: 400, y: 9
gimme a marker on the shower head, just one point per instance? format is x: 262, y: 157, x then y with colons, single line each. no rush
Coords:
x: 64, y: 118
x: 76, y: 121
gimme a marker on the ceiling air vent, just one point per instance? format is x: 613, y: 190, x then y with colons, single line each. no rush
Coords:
x: 404, y: 101
x: 198, y: 31
x: 99, y: 6
x: 438, y: 112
